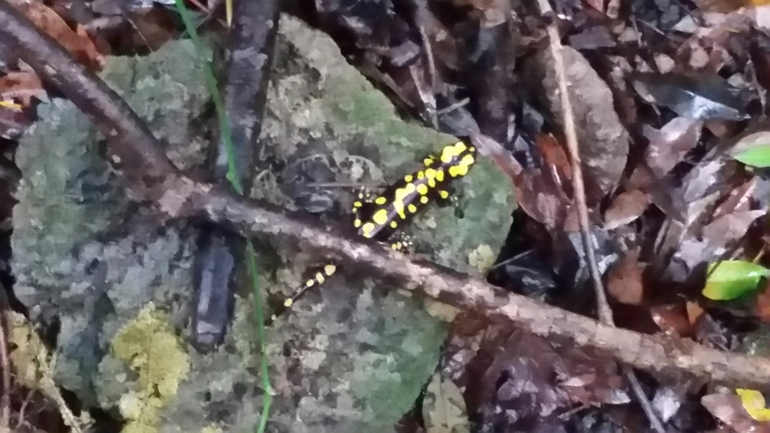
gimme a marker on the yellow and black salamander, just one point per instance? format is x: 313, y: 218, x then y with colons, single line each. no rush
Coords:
x: 384, y: 214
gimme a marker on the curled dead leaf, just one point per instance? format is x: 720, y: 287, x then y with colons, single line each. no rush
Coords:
x: 77, y: 41
x: 624, y: 281
x: 625, y: 208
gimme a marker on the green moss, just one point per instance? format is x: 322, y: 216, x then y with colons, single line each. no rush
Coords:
x: 150, y: 347
x: 353, y: 103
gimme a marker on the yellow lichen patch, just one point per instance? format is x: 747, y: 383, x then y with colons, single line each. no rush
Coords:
x: 33, y: 367
x: 29, y: 355
x: 482, y: 258
x: 150, y: 347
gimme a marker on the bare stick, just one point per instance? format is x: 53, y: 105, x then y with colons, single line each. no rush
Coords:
x: 603, y: 307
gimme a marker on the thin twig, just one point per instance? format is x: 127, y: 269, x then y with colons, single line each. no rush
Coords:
x: 603, y: 307
x: 459, y: 104
x: 420, y: 17
x: 5, y: 366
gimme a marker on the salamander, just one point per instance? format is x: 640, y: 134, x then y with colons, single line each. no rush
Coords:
x: 382, y: 216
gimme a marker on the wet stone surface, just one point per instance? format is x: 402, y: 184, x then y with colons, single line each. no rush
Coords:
x: 352, y: 356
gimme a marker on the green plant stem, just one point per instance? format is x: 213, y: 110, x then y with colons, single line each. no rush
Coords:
x: 219, y: 106
x: 234, y: 178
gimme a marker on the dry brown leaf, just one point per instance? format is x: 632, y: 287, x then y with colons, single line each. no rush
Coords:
x: 738, y: 200
x: 670, y: 144
x: 672, y: 319
x: 693, y: 312
x: 77, y: 42
x: 443, y: 408
x: 22, y: 86
x: 730, y: 227
x: 624, y: 281
x: 762, y: 307
x: 728, y: 409
x: 543, y: 200
x: 627, y: 207
x: 554, y: 156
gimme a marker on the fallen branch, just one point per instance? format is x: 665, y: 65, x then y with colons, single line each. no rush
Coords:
x: 179, y: 196
x: 570, y: 132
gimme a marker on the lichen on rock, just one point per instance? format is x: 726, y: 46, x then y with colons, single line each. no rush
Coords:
x: 150, y: 347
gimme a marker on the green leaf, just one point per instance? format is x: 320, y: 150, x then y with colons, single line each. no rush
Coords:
x: 756, y: 157
x: 753, y: 149
x: 732, y: 279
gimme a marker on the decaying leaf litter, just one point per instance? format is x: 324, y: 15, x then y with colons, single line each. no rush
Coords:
x: 669, y: 101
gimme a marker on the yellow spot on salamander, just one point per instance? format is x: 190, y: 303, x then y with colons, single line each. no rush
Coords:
x: 412, y: 208
x: 380, y: 200
x: 452, y: 151
x: 443, y: 194
x: 440, y: 175
x: 319, y: 277
x: 400, y: 197
x: 393, y: 224
x: 309, y: 283
x: 357, y: 223
x: 431, y: 175
x: 330, y: 270
x: 380, y: 217
x: 357, y: 204
x: 422, y: 189
x: 367, y: 230
x: 420, y: 174
x: 288, y: 302
x: 424, y: 200
x: 408, y: 178
x: 461, y: 169
x: 429, y: 161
